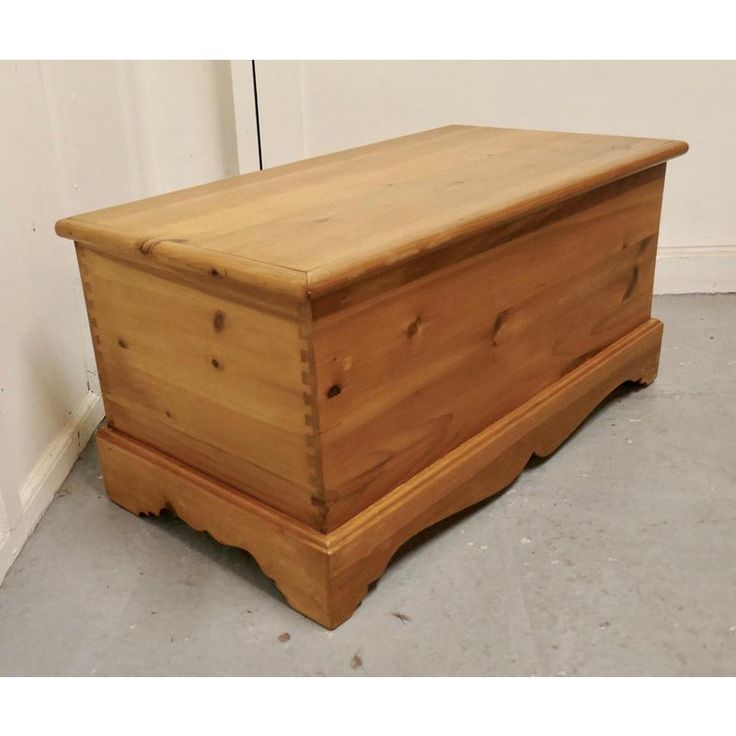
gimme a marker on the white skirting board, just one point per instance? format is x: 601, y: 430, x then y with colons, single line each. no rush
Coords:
x: 49, y: 473
x: 701, y: 270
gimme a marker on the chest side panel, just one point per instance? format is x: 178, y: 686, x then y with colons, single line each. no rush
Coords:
x: 220, y: 385
x: 411, y: 364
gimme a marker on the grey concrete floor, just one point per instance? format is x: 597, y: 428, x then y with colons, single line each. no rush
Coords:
x: 615, y: 556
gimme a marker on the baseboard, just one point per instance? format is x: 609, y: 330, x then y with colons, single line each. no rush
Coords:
x: 49, y: 473
x: 699, y: 270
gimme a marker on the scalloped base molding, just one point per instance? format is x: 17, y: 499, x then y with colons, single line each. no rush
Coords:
x: 47, y: 476
x: 325, y: 576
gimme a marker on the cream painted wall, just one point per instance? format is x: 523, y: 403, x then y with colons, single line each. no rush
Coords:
x: 309, y: 108
x: 76, y: 136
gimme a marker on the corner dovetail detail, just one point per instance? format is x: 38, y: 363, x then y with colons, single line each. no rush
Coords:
x: 326, y: 575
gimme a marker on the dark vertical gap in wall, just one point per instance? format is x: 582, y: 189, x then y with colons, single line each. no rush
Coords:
x: 258, y: 117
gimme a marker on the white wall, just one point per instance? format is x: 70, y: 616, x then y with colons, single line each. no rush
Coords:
x: 309, y: 108
x: 76, y: 136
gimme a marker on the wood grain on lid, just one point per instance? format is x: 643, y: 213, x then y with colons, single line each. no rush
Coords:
x: 313, y: 226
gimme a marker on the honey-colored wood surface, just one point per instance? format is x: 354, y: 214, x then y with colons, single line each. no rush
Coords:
x: 221, y: 385
x: 419, y: 363
x: 325, y: 576
x: 315, y: 226
x: 293, y: 554
x: 316, y: 362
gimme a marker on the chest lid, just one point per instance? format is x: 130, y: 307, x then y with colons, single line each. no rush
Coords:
x: 311, y: 227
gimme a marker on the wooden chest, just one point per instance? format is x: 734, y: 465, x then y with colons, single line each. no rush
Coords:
x: 317, y: 361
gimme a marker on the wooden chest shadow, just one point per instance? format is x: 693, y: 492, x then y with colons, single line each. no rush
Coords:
x: 316, y: 362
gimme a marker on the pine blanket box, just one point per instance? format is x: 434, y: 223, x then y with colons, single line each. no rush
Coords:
x: 317, y: 361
